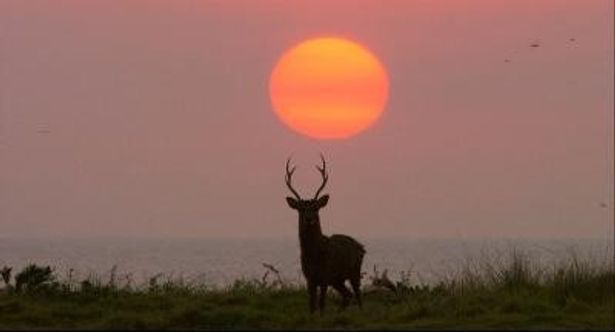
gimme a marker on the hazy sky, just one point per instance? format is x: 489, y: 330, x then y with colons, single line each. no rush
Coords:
x: 153, y: 118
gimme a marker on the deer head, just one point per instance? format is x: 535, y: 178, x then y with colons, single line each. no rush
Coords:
x: 307, y: 208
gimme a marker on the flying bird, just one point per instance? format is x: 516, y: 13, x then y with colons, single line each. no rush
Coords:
x: 535, y: 45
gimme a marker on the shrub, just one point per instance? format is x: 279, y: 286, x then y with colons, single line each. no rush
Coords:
x: 33, y: 277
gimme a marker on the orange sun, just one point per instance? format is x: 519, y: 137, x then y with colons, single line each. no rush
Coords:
x: 328, y: 88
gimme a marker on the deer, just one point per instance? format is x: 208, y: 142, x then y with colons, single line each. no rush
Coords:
x: 325, y: 260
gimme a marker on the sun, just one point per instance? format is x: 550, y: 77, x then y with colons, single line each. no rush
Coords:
x: 328, y: 88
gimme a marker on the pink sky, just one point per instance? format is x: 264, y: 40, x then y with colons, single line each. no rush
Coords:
x: 153, y: 118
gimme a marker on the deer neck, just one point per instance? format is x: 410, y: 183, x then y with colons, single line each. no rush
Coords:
x: 310, y: 239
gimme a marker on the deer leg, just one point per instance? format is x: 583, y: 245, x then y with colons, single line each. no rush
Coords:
x: 344, y: 292
x: 356, y: 288
x: 323, y: 297
x: 312, y: 294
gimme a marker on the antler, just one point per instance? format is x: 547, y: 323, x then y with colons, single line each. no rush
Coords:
x: 289, y: 175
x: 323, y: 174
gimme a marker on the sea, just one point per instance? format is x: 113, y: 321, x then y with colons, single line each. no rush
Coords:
x: 219, y: 262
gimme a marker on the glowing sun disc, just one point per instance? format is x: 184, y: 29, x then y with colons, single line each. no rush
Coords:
x: 328, y: 88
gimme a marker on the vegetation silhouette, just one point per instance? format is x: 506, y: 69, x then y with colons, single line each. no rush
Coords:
x: 33, y: 278
x: 512, y: 292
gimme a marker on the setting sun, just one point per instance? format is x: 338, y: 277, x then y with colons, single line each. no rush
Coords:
x: 328, y: 88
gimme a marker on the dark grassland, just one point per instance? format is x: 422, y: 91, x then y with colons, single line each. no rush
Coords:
x: 515, y: 294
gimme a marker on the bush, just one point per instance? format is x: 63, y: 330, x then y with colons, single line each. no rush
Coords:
x: 33, y: 277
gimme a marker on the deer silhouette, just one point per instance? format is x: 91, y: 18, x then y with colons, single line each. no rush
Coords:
x: 325, y: 260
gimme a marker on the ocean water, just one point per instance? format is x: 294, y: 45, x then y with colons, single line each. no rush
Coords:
x: 219, y: 261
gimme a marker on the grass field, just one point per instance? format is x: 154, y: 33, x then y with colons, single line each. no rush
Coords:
x: 517, y: 294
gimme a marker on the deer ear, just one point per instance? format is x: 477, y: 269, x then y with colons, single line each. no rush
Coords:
x: 323, y: 201
x: 292, y: 202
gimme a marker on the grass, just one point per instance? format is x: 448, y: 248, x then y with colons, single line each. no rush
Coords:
x: 514, y: 293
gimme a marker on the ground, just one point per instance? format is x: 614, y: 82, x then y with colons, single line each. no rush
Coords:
x: 573, y: 295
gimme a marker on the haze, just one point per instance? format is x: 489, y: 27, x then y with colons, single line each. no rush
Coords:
x: 152, y: 118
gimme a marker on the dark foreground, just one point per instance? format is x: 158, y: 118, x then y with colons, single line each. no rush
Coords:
x: 517, y: 295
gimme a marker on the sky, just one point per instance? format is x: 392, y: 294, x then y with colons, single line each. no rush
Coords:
x: 153, y: 118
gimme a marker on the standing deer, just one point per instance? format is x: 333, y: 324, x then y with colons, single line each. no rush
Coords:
x: 325, y: 260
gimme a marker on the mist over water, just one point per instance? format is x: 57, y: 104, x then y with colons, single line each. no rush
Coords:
x: 221, y: 261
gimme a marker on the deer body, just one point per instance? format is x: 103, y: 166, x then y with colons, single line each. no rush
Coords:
x: 332, y: 259
x: 325, y: 260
